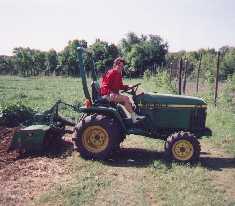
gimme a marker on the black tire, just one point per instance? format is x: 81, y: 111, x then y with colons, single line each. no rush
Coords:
x: 183, y: 147
x: 97, y: 136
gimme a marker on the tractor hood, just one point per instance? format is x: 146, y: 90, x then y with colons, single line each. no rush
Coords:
x: 169, y: 100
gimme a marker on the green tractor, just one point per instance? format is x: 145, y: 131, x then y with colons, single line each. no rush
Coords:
x: 178, y: 120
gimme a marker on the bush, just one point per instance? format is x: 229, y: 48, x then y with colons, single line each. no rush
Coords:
x: 222, y: 122
x: 14, y: 114
x: 163, y: 83
x: 227, y: 98
x: 147, y: 74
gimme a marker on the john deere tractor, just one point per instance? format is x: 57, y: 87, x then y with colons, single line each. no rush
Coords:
x: 176, y: 119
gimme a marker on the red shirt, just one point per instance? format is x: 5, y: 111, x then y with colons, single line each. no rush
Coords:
x: 112, y: 82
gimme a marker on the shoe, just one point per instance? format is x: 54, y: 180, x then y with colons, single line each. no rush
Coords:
x: 135, y: 117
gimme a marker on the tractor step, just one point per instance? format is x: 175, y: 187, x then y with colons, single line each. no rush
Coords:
x: 128, y: 122
x: 68, y: 131
x: 137, y: 131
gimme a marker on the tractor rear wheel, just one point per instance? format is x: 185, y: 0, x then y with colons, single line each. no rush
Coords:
x: 97, y: 136
x: 183, y: 147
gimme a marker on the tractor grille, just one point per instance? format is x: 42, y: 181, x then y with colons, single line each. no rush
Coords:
x: 198, y: 118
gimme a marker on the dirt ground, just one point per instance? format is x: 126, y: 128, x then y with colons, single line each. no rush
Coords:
x: 5, y: 139
x: 23, y: 178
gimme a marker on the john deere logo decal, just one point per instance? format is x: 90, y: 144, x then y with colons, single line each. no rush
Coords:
x: 152, y: 106
x: 163, y: 106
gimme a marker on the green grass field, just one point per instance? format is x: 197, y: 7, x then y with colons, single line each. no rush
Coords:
x: 130, y: 180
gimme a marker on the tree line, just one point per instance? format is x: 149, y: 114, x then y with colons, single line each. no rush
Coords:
x: 142, y: 53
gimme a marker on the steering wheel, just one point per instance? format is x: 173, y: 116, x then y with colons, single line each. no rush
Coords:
x: 132, y: 90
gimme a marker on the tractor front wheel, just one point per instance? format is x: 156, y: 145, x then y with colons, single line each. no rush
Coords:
x: 97, y: 136
x: 183, y: 147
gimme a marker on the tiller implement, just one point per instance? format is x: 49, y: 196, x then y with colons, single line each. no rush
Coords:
x: 44, y: 130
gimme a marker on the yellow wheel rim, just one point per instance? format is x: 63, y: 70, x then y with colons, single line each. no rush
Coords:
x: 95, y: 139
x: 183, y: 150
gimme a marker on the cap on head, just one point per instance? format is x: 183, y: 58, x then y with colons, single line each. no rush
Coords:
x: 118, y: 60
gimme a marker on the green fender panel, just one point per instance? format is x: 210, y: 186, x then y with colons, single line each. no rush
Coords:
x: 107, y: 111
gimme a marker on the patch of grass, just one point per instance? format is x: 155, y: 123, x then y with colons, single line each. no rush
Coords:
x: 176, y: 184
x: 182, y: 185
x: 222, y: 123
x: 40, y: 93
x: 85, y: 182
x: 79, y: 192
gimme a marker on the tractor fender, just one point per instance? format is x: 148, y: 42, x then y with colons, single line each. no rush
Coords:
x: 108, y: 111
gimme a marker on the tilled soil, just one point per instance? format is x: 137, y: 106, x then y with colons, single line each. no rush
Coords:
x: 5, y: 140
x: 27, y: 178
x: 23, y: 178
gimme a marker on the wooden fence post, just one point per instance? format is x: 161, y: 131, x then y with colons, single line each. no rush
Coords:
x: 170, y: 75
x: 180, y: 74
x: 198, y: 72
x: 217, y: 78
x: 185, y: 75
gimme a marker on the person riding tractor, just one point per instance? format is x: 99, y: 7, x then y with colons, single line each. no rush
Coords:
x: 112, y: 82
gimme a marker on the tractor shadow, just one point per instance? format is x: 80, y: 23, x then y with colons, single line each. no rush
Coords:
x: 217, y: 163
x: 62, y: 150
x: 136, y: 157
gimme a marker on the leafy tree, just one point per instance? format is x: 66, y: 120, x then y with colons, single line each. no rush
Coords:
x: 68, y: 57
x: 29, y: 61
x: 103, y: 54
x: 39, y: 60
x: 144, y: 52
x: 6, y: 65
x: 228, y: 63
x: 23, y: 61
x: 51, y: 61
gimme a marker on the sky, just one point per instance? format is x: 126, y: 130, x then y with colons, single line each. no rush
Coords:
x: 184, y: 24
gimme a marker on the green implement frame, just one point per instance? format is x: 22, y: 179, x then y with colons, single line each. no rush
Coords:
x: 44, y: 129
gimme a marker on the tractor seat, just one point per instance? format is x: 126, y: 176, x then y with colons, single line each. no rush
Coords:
x: 97, y: 98
x: 95, y: 91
